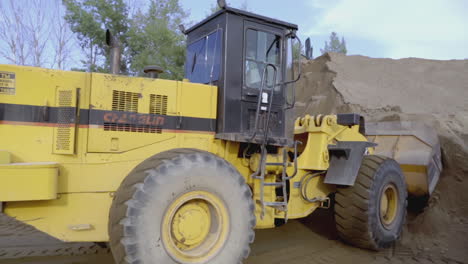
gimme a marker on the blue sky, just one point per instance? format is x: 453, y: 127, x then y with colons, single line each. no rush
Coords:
x: 432, y: 29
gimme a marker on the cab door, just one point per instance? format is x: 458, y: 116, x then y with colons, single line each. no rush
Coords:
x: 263, y: 45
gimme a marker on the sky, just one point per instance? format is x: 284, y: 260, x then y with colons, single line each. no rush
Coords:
x: 431, y: 29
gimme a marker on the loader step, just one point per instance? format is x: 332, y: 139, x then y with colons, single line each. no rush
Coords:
x: 274, y: 164
x: 281, y: 206
x: 273, y: 183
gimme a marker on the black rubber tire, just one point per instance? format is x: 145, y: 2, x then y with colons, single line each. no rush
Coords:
x: 149, y: 189
x: 357, y: 208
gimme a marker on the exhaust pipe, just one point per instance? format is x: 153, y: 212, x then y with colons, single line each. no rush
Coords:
x: 115, y: 52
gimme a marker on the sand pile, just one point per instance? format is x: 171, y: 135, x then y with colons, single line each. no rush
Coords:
x: 435, y: 92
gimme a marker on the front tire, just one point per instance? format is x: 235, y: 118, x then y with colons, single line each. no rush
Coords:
x: 182, y: 206
x: 371, y: 213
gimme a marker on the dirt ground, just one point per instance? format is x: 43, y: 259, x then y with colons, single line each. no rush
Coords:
x: 435, y: 92
x: 310, y: 241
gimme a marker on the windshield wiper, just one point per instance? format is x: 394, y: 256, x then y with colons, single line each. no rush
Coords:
x: 194, y: 61
x: 271, y: 46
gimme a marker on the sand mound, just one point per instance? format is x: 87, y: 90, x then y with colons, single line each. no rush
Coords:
x: 434, y: 92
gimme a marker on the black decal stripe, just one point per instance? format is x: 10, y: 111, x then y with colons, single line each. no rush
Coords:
x: 26, y: 113
x: 49, y: 115
x: 84, y: 117
x: 99, y: 117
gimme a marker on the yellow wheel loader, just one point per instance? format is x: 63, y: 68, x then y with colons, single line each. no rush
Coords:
x: 184, y: 171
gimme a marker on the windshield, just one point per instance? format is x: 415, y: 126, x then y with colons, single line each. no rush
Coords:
x: 203, y: 59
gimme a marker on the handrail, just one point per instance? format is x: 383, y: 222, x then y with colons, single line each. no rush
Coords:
x: 259, y: 103
x: 295, y: 160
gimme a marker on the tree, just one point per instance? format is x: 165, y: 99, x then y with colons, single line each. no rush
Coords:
x: 296, y: 50
x: 38, y: 32
x: 147, y: 37
x: 13, y: 33
x: 37, y: 35
x: 62, y: 38
x: 44, y: 34
x: 89, y: 19
x: 335, y: 45
x: 25, y: 32
x: 154, y: 39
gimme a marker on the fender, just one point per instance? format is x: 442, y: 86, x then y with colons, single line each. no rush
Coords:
x: 346, y: 158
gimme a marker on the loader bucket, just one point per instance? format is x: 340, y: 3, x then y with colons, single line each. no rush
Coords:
x: 415, y: 147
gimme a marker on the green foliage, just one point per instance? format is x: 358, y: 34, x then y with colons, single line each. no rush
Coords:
x: 150, y: 37
x: 154, y: 39
x: 89, y: 19
x: 335, y: 45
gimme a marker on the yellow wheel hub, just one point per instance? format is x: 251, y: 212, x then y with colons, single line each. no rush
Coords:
x: 195, y: 227
x: 388, y: 205
x: 191, y: 223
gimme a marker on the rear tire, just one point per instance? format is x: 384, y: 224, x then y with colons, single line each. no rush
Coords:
x: 371, y: 213
x: 182, y: 206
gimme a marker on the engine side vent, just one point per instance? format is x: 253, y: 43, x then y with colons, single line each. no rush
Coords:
x: 158, y: 104
x: 65, y: 98
x: 64, y: 132
x: 128, y: 102
x: 125, y: 101
x: 132, y: 128
x: 64, y: 118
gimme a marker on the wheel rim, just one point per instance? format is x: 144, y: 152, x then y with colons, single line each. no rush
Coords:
x: 195, y: 227
x: 388, y: 205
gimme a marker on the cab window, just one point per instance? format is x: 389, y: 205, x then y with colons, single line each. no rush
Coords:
x: 203, y: 60
x: 261, y: 48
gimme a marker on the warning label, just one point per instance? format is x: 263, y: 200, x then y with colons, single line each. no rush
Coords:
x: 7, y: 83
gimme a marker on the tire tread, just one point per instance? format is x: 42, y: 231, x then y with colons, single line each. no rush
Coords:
x: 120, y: 208
x: 352, y: 215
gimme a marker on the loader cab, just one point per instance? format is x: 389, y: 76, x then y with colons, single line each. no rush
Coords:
x: 231, y: 50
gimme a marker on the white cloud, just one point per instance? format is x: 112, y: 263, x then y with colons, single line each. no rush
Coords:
x: 408, y: 28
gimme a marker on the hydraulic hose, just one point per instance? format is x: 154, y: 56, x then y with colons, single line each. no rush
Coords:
x: 305, y: 182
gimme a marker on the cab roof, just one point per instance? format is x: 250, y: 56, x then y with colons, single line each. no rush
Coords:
x: 245, y: 14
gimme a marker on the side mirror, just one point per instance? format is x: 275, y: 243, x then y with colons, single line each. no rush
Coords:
x: 308, y: 49
x: 293, y: 58
x: 293, y: 68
